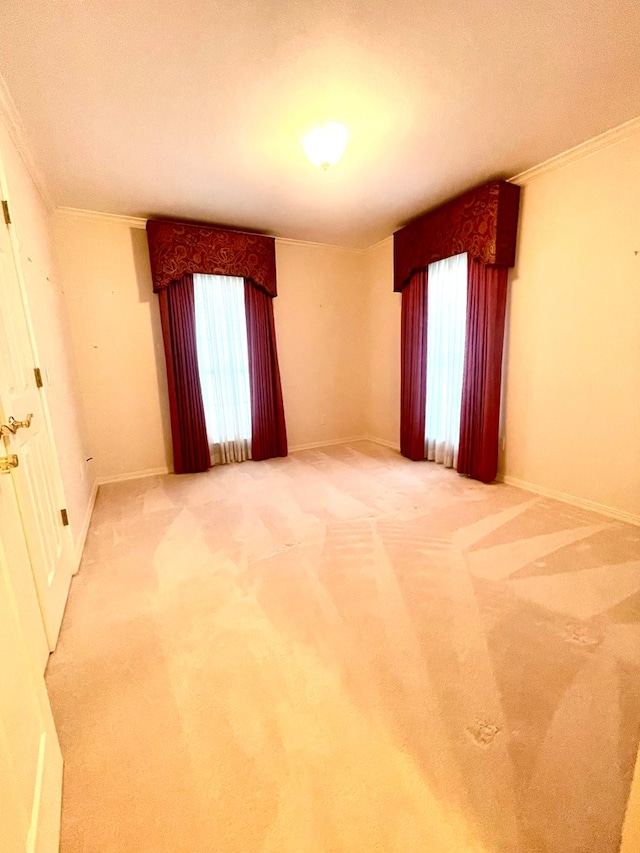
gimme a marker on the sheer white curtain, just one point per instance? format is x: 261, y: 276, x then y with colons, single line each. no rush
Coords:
x: 223, y: 365
x: 446, y: 331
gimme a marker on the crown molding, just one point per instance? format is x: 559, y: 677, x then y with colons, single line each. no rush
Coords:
x: 579, y: 152
x: 11, y: 118
x: 351, y: 249
x: 290, y: 241
x: 141, y: 222
x: 98, y: 216
x: 377, y: 245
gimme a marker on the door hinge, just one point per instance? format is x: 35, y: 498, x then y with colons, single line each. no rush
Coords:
x: 65, y: 517
x: 5, y: 211
x: 38, y: 374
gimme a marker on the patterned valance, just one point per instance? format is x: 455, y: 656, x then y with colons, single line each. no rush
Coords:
x: 176, y: 248
x: 482, y: 222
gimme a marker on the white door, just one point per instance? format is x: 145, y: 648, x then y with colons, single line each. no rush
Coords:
x: 30, y: 760
x: 36, y: 478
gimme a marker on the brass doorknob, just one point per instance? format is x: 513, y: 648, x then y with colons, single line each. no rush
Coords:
x: 13, y: 425
x: 7, y: 463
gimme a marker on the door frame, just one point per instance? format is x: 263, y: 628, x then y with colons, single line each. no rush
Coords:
x: 12, y: 229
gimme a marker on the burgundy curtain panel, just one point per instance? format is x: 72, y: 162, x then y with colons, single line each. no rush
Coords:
x: 480, y: 411
x: 413, y: 366
x: 177, y: 250
x: 188, y: 427
x: 483, y: 223
x: 269, y: 433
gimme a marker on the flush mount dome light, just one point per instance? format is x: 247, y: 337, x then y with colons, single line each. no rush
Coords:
x: 325, y: 144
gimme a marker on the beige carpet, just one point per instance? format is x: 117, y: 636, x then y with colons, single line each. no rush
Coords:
x: 347, y: 652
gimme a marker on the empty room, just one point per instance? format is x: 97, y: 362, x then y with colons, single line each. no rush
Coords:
x: 320, y: 426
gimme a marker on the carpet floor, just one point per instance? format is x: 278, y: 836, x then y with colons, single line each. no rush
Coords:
x: 347, y: 652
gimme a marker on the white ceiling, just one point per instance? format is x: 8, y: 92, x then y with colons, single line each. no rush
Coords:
x: 195, y: 108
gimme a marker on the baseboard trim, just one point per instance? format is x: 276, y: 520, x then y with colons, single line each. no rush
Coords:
x: 574, y: 500
x: 331, y: 442
x: 392, y: 445
x: 84, y: 530
x: 335, y: 441
x: 132, y: 475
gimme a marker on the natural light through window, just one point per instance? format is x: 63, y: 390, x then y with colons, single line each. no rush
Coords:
x: 223, y: 364
x: 446, y: 332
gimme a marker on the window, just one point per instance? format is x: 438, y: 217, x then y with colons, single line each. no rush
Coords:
x: 223, y: 365
x: 446, y: 333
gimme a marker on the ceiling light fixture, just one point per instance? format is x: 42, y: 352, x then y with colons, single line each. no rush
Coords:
x: 325, y: 144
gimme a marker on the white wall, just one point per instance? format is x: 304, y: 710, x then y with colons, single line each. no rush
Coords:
x: 45, y: 294
x: 572, y: 404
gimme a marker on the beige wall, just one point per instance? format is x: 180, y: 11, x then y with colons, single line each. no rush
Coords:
x: 321, y: 341
x: 115, y: 326
x: 116, y: 333
x: 383, y: 345
x: 33, y: 228
x: 572, y: 354
x: 631, y: 829
x: 572, y: 404
x: 572, y: 365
